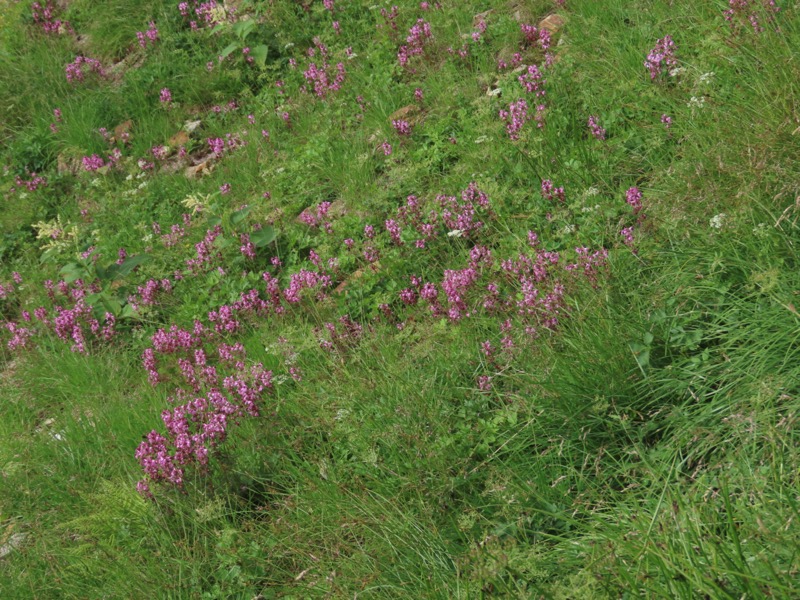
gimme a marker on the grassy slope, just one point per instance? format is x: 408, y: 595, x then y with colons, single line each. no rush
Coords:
x: 647, y: 447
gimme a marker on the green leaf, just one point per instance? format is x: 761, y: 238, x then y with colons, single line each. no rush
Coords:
x: 259, y: 54
x: 263, y: 237
x: 641, y: 353
x: 72, y: 272
x: 240, y: 215
x: 128, y: 265
x: 101, y: 271
x: 229, y: 49
x: 128, y: 312
x: 244, y: 28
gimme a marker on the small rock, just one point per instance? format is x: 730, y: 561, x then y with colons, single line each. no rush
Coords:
x: 404, y: 113
x: 337, y: 209
x: 191, y: 126
x: 481, y: 17
x: 174, y: 164
x: 179, y: 139
x: 203, y: 168
x: 14, y: 542
x: 123, y: 128
x: 68, y: 164
x: 552, y: 23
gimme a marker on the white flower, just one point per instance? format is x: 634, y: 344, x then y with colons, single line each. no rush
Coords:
x: 717, y: 220
x: 707, y: 77
x: 481, y: 139
x: 695, y: 102
x: 676, y: 71
x: 455, y: 233
x: 494, y: 92
x: 570, y: 228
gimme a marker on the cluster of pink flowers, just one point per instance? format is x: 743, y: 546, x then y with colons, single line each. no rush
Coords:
x: 662, y: 55
x: 317, y: 217
x: 588, y: 262
x: 45, y: 17
x: 150, y: 36
x: 634, y: 199
x: 515, y: 118
x: 247, y: 248
x: 76, y: 71
x: 527, y: 289
x: 516, y: 60
x: 550, y: 192
x: 206, y: 253
x: 594, y: 127
x: 535, y: 36
x: 480, y: 29
x: 147, y: 294
x: 324, y: 79
x: 229, y: 143
x: 418, y: 36
x: 306, y: 280
x: 460, y: 215
x: 205, y: 13
x: 750, y: 11
x: 177, y: 232
x: 73, y: 324
x: 533, y: 83
x: 93, y: 162
x: 195, y: 428
x: 32, y: 184
x: 395, y: 231
x: 341, y: 336
x: 627, y: 236
x: 401, y: 126
x: 165, y: 97
x: 390, y: 17
x: 540, y: 38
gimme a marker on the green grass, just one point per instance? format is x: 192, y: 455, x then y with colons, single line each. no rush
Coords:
x: 646, y: 447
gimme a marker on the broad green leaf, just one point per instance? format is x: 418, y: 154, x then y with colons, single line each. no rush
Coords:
x: 259, y: 54
x: 243, y: 28
x: 229, y: 49
x: 101, y: 271
x: 263, y: 237
x: 128, y: 265
x: 240, y: 215
x: 72, y: 272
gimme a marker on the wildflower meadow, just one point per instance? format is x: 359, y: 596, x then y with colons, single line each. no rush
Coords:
x: 399, y: 299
